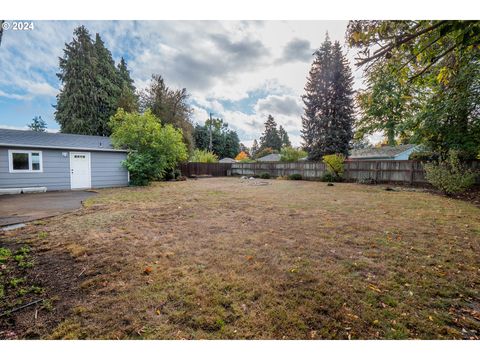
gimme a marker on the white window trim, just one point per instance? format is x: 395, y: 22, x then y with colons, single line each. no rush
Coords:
x: 29, y: 152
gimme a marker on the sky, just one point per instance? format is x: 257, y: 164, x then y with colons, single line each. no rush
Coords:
x: 240, y: 71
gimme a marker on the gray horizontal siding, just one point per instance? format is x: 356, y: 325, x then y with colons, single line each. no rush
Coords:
x: 55, y: 175
x: 107, y: 169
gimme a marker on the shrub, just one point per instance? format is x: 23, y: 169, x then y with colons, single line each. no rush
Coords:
x: 295, y: 177
x: 449, y: 175
x: 172, y: 174
x: 203, y: 156
x: 291, y: 154
x: 265, y: 175
x: 153, y: 148
x: 335, y: 164
x: 329, y: 177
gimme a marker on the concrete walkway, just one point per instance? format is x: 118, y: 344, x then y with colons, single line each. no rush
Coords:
x: 20, y: 208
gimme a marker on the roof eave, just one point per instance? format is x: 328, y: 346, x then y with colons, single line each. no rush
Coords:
x: 61, y: 147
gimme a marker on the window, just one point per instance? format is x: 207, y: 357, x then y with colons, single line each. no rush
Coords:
x: 25, y: 161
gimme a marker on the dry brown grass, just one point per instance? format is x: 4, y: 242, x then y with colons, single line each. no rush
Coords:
x: 287, y: 260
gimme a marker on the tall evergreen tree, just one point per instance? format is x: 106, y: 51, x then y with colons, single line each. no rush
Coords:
x: 91, y: 86
x: 128, y: 99
x: 270, y: 137
x: 328, y: 113
x: 77, y: 104
x: 109, y: 86
x: 284, y: 137
x: 38, y: 124
x: 254, y: 149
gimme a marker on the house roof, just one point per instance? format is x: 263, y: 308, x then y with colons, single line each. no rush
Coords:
x: 384, y: 152
x: 270, y: 157
x: 27, y: 138
x: 227, y: 160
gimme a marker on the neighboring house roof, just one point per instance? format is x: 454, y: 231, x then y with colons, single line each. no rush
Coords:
x: 270, y: 157
x: 26, y: 138
x: 384, y: 152
x: 227, y: 160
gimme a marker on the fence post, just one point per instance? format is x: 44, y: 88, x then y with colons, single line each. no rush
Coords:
x: 412, y: 167
x: 377, y: 165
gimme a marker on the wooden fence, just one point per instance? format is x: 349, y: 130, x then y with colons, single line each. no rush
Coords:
x: 212, y: 169
x: 382, y: 171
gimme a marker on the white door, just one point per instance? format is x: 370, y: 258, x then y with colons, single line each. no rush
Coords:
x: 80, y: 177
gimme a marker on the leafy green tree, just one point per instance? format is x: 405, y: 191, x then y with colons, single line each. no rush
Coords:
x: 291, y: 154
x: 284, y: 137
x: 415, y: 45
x: 438, y: 61
x: 449, y: 116
x: 153, y: 149
x: 328, y: 118
x: 225, y: 142
x: 169, y: 105
x: 384, y: 105
x: 270, y: 137
x: 38, y: 124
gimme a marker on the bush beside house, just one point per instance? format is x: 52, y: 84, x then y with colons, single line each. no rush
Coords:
x: 154, y: 149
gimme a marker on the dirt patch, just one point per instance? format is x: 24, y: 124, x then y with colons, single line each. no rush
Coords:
x: 50, y: 276
x: 218, y: 259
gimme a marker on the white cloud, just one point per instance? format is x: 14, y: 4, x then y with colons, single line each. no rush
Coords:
x: 219, y: 62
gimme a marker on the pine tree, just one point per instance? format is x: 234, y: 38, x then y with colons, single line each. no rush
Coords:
x: 92, y: 87
x: 128, y: 99
x: 77, y: 104
x: 270, y: 137
x: 328, y: 113
x: 38, y: 124
x: 109, y: 86
x: 284, y: 137
x: 254, y: 149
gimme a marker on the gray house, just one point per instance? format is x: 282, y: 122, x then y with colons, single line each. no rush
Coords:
x: 40, y: 161
x: 399, y: 152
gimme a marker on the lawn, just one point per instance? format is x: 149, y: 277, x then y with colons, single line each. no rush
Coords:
x: 225, y: 259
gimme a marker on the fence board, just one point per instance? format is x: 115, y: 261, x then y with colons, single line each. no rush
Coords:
x: 198, y: 169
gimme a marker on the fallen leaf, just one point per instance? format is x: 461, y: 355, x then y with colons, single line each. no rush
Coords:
x: 148, y: 270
